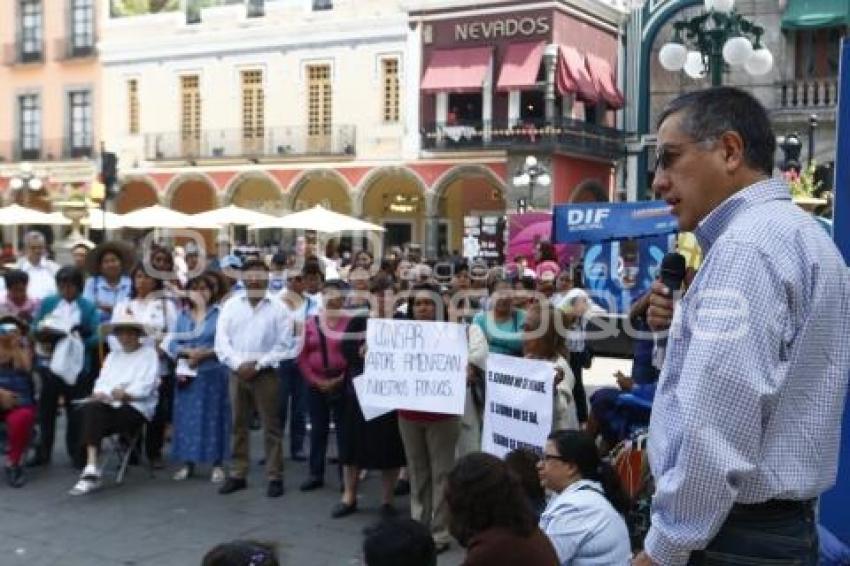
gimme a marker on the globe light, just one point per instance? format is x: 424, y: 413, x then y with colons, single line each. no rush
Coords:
x: 673, y: 56
x: 530, y: 161
x: 760, y: 62
x: 522, y: 180
x: 16, y: 183
x: 722, y: 6
x: 544, y: 180
x: 35, y: 184
x: 694, y: 66
x: 737, y: 51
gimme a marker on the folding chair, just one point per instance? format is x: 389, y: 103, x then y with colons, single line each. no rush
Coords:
x: 121, y: 449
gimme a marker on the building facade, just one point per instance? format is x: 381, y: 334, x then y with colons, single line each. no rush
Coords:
x: 283, y: 104
x: 50, y: 98
x: 800, y: 92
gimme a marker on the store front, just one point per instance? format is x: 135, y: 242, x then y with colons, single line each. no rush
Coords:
x: 539, y: 81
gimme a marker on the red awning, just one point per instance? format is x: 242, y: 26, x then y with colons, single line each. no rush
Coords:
x: 457, y: 70
x: 521, y: 66
x: 603, y: 80
x: 572, y: 76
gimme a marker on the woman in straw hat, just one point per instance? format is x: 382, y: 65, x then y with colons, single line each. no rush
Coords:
x: 124, y: 396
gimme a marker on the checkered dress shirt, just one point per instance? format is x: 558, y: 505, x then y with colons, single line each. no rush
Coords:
x: 750, y: 399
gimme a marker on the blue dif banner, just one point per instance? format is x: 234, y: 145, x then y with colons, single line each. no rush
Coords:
x: 597, y: 222
x: 616, y: 273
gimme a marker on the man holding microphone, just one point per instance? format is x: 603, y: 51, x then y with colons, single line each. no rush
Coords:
x: 746, y: 421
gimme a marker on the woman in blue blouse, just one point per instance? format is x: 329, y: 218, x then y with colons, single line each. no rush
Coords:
x: 201, y: 402
x: 108, y: 284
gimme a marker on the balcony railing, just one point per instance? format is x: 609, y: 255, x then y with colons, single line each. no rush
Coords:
x: 65, y: 49
x: 808, y: 94
x: 279, y: 142
x: 322, y: 5
x: 573, y: 135
x: 13, y: 54
x: 45, y: 150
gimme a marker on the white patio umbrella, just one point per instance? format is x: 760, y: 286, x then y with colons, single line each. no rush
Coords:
x: 96, y: 217
x: 234, y: 216
x: 319, y: 219
x: 157, y: 216
x: 59, y: 219
x: 16, y: 215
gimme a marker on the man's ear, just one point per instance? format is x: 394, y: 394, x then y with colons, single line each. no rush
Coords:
x: 733, y: 150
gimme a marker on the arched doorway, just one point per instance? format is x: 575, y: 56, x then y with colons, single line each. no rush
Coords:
x: 135, y: 195
x: 191, y: 196
x: 395, y: 199
x: 326, y: 188
x: 469, y: 200
x: 256, y: 192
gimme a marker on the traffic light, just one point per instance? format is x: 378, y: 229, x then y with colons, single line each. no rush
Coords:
x: 109, y: 173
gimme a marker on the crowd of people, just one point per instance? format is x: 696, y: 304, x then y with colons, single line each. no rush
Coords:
x: 194, y: 352
x: 743, y: 431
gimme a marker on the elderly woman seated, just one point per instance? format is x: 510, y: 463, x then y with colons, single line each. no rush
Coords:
x: 17, y: 408
x: 124, y: 396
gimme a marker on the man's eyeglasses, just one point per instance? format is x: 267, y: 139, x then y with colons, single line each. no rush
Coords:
x: 550, y: 457
x: 667, y: 155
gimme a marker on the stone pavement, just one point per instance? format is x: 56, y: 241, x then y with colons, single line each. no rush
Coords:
x: 157, y: 521
x: 160, y: 522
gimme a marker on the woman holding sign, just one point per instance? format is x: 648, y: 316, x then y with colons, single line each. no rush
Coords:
x: 430, y: 439
x: 542, y: 341
x: 376, y: 444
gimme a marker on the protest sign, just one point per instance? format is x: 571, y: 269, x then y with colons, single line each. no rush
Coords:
x: 369, y: 413
x: 518, y: 404
x: 416, y: 365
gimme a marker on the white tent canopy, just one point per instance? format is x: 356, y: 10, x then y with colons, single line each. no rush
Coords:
x: 58, y: 219
x: 319, y: 219
x: 160, y: 217
x: 234, y: 216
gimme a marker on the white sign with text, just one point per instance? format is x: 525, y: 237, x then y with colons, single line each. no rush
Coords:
x: 416, y: 365
x: 518, y: 404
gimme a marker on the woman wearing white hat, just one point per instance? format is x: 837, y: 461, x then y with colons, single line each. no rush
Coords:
x: 124, y: 396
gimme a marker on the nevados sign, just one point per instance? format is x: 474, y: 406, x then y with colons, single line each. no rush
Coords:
x: 508, y: 27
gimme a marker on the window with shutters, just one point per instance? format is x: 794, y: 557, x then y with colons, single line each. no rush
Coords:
x: 190, y: 114
x: 133, y: 106
x: 253, y: 112
x: 390, y: 81
x: 319, y: 118
x: 81, y: 133
x: 29, y: 111
x: 82, y: 27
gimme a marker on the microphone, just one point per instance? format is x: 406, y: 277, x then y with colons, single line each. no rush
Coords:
x: 672, y: 274
x: 673, y: 268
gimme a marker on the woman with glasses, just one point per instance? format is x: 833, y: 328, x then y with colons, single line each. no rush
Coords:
x: 584, y: 520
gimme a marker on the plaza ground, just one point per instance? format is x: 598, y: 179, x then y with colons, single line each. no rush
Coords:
x: 159, y: 522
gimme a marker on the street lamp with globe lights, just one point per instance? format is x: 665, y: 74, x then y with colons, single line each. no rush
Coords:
x: 713, y: 40
x: 531, y: 174
x: 28, y: 181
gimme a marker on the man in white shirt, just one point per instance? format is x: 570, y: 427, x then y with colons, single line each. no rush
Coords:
x: 41, y: 271
x: 254, y: 334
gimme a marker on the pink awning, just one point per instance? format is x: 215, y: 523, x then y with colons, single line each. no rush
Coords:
x: 521, y: 66
x: 457, y: 70
x: 573, y: 78
x: 603, y: 79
